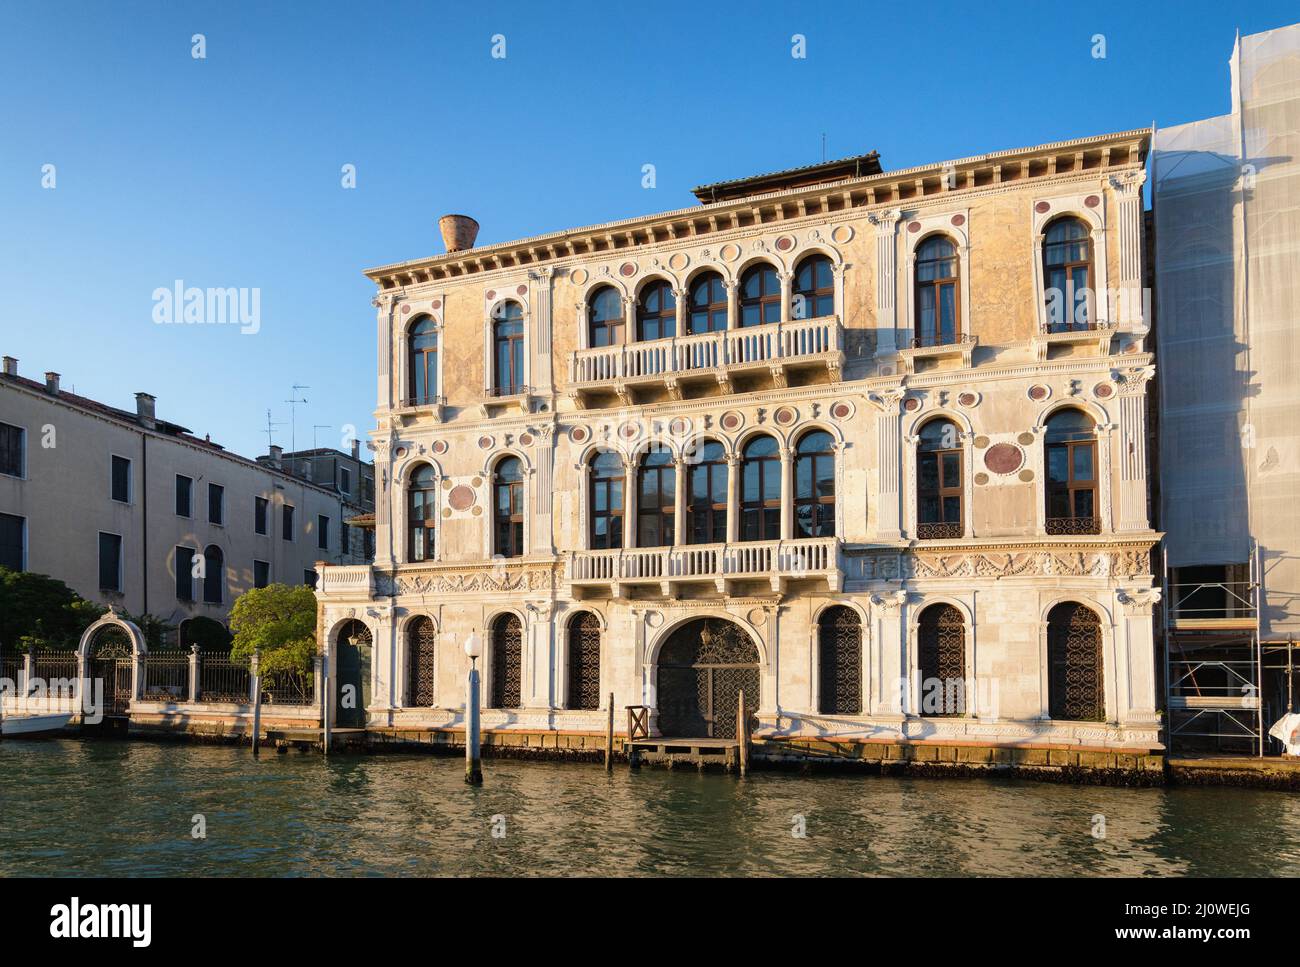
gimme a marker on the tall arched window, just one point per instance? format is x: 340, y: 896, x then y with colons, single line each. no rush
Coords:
x: 1067, y: 275
x: 938, y: 296
x: 214, y: 574
x: 506, y: 643
x: 939, y: 484
x: 606, y: 494
x: 839, y: 647
x: 1071, y: 442
x: 656, y: 313
x: 1074, y: 672
x: 706, y: 495
x: 656, y: 498
x: 708, y: 306
x: 605, y: 317
x: 814, y: 289
x: 941, y: 660
x: 508, y: 349
x: 760, y: 295
x: 421, y: 514
x: 814, y: 485
x: 420, y: 641
x: 423, y: 354
x: 760, y: 496
x: 508, y: 508
x: 584, y: 661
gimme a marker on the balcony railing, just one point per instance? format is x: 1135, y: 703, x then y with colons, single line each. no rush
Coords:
x: 347, y: 580
x: 710, y: 351
x: 939, y: 531
x: 719, y: 563
x: 1073, y: 525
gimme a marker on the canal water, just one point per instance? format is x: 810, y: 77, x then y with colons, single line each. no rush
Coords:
x: 93, y: 808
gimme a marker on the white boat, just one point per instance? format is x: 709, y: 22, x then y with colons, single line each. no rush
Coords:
x: 29, y: 726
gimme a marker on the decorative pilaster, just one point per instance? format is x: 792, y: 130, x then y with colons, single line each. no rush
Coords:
x: 541, y: 376
x: 1128, y: 192
x: 886, y: 223
x: 544, y: 490
x: 1135, y: 683
x: 889, y: 522
x: 1133, y: 510
x: 887, y: 690
x: 539, y: 657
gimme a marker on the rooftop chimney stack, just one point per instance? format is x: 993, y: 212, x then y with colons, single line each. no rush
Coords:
x: 11, y: 366
x: 52, y: 383
x: 144, y: 411
x: 277, y: 453
x: 458, y: 232
x: 356, y: 450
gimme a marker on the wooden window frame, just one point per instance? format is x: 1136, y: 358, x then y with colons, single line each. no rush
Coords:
x: 823, y: 506
x: 764, y: 299
x: 707, y: 512
x: 511, y: 381
x: 509, y: 525
x: 423, y: 360
x: 613, y: 485
x: 1068, y: 266
x: 665, y: 317
x: 814, y: 295
x: 666, y: 509
x: 935, y: 287
x: 711, y: 310
x: 760, y: 509
x: 941, y: 529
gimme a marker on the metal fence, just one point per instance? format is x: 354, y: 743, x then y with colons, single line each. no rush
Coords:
x: 223, y: 680
x: 166, y: 677
x: 10, y: 666
x: 51, y: 667
x: 288, y: 688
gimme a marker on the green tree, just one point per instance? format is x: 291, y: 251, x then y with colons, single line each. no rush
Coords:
x: 280, y: 622
x: 41, y: 612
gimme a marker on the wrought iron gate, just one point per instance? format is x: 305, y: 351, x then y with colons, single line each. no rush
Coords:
x: 701, y: 670
x: 111, y: 671
x: 420, y: 645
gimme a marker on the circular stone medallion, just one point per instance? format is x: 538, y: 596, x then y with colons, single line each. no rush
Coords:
x: 1003, y: 458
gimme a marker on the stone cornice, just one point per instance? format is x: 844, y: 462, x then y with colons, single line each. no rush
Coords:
x: 858, y: 195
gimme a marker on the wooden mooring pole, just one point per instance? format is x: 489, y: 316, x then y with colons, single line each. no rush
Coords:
x: 257, y: 700
x: 742, y: 735
x: 609, y: 737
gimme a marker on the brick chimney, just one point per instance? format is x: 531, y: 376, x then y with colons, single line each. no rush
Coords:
x: 276, y: 456
x: 11, y: 366
x: 144, y: 411
x: 52, y: 383
x: 356, y: 450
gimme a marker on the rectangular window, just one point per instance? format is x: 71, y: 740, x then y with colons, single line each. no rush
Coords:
x: 345, y: 480
x: 121, y: 479
x: 309, y: 578
x: 260, y: 505
x: 369, y: 490
x: 322, y: 532
x: 368, y: 543
x: 286, y: 523
x: 216, y: 504
x: 261, y: 574
x: 185, y: 573
x: 12, y: 450
x: 345, y: 539
x: 110, y: 562
x: 13, y: 541
x: 184, y: 496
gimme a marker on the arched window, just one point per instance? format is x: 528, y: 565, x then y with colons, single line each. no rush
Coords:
x: 508, y: 508
x: 941, y: 660
x: 1067, y: 275
x: 656, y: 313
x: 706, y: 495
x: 420, y: 641
x: 814, y: 289
x: 584, y: 661
x: 605, y: 317
x: 214, y: 574
x: 656, y: 498
x: 760, y: 295
x: 1071, y: 458
x: 760, y: 497
x: 423, y: 354
x: 708, y: 307
x: 1074, y: 671
x: 939, y: 484
x: 507, y: 640
x: 814, y: 485
x: 606, y: 494
x: 839, y: 647
x: 421, y: 514
x: 508, y: 349
x: 938, y: 294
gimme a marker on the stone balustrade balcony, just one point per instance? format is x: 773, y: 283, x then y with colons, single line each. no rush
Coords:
x: 355, y: 581
x: 776, y: 349
x: 722, y: 565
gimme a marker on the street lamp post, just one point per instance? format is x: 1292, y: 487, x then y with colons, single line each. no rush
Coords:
x: 473, y: 768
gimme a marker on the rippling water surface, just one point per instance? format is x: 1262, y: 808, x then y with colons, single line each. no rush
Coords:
x: 70, y: 807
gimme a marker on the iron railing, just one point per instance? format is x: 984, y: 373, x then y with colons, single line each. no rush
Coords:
x: 223, y: 680
x: 288, y: 688
x: 167, y: 677
x: 10, y: 667
x: 938, y: 531
x: 1074, y: 525
x: 52, y: 666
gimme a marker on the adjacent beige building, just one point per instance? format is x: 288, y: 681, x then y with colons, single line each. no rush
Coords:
x: 869, y: 445
x: 131, y: 510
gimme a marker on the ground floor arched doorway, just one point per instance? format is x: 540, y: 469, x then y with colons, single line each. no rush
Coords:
x: 702, y: 668
x: 110, y: 669
x: 352, y: 692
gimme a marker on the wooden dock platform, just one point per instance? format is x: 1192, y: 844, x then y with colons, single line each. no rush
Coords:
x: 698, y: 752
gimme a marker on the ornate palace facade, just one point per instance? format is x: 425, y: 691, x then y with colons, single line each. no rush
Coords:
x: 869, y: 445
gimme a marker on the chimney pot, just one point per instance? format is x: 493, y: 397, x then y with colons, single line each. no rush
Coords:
x: 52, y: 382
x: 458, y: 232
x: 11, y: 366
x: 144, y: 410
x: 276, y: 454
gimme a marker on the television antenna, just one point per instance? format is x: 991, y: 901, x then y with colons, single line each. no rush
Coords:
x: 293, y: 402
x: 270, y: 428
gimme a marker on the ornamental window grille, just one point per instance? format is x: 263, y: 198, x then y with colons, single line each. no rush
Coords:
x: 941, y: 661
x: 584, y: 662
x: 1074, y: 674
x: 839, y: 639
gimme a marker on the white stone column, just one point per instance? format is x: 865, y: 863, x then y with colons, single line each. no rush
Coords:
x: 787, y: 493
x: 888, y: 453
x: 1133, y: 510
x: 886, y: 223
x: 629, y: 503
x: 679, y: 325
x: 680, y: 469
x: 733, y: 497
x: 787, y: 288
x: 733, y: 302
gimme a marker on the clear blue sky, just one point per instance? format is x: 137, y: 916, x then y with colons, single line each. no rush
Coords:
x: 226, y: 171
